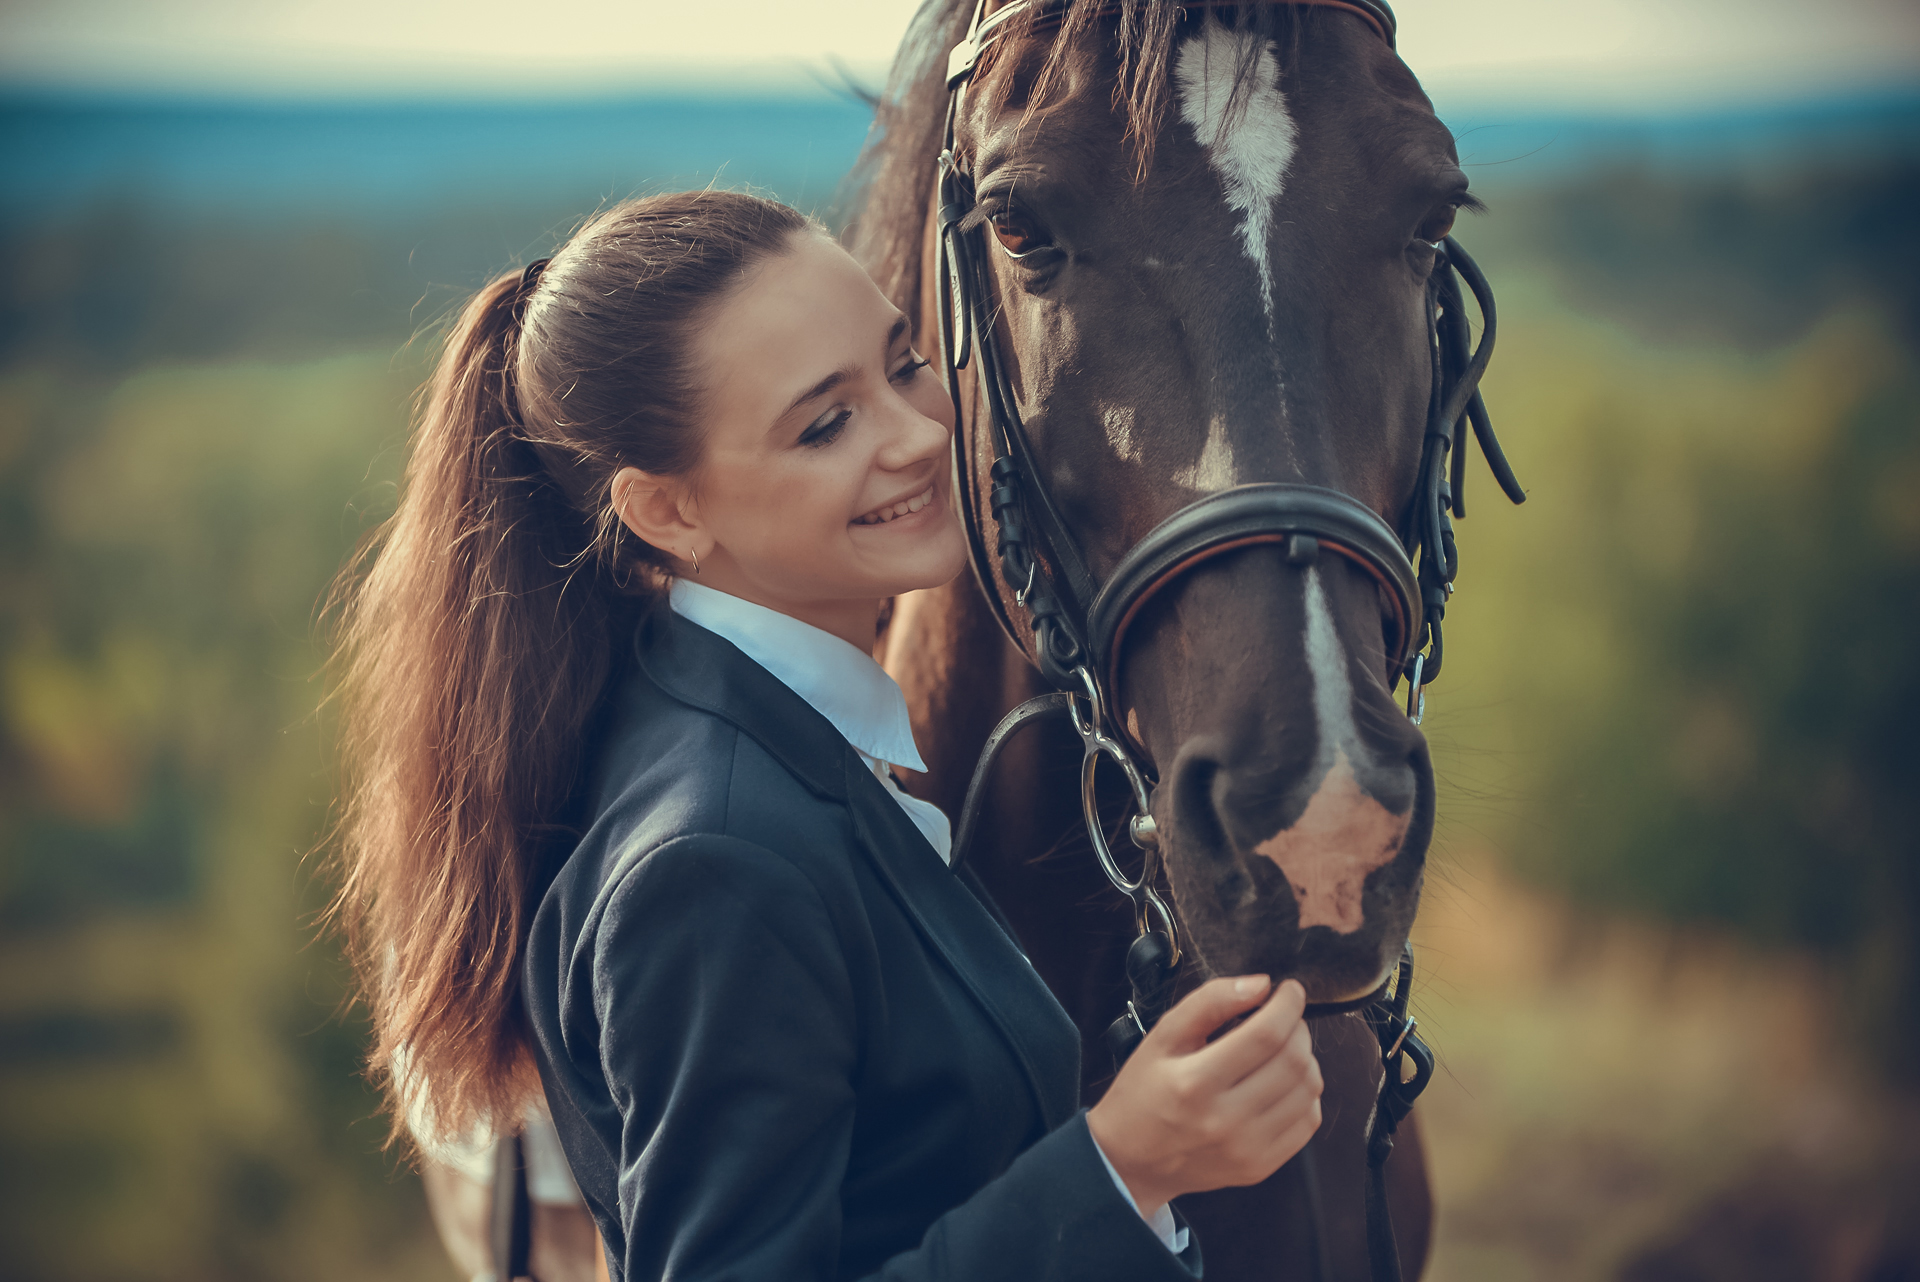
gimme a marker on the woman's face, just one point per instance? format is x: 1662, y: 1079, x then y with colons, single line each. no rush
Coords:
x: 824, y: 478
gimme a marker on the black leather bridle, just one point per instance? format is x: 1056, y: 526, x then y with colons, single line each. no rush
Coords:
x: 1078, y: 625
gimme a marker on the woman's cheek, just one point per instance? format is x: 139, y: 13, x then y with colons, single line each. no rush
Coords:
x: 931, y: 399
x: 956, y: 545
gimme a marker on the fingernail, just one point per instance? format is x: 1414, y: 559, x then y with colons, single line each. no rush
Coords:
x: 1250, y: 985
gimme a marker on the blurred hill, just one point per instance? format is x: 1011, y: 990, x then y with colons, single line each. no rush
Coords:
x: 1678, y: 689
x: 162, y: 230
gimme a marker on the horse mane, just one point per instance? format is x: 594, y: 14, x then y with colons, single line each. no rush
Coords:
x: 891, y: 184
x: 890, y: 188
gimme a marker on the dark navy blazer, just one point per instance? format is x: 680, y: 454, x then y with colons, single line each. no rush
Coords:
x: 780, y: 1038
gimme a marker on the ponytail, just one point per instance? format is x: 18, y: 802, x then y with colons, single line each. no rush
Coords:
x: 477, y: 629
x: 476, y: 647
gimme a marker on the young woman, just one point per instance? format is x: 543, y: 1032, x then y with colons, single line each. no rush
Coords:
x: 622, y: 824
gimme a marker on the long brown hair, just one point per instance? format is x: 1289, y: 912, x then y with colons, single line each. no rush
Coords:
x: 477, y: 626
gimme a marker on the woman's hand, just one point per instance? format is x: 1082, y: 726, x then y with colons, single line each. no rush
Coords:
x: 1185, y: 1115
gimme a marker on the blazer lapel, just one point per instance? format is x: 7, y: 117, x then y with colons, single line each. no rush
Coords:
x: 972, y: 937
x: 707, y: 671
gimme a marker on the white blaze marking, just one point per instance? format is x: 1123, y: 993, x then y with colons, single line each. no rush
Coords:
x: 1119, y: 423
x: 1214, y: 469
x: 1332, y: 687
x: 1248, y: 141
x: 1343, y: 834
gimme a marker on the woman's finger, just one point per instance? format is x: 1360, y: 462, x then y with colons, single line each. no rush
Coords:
x: 1186, y: 1027
x: 1285, y: 1111
x: 1263, y: 1036
x: 1293, y: 1066
x: 1294, y: 1138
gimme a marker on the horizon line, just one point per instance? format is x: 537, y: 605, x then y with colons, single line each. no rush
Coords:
x: 842, y: 84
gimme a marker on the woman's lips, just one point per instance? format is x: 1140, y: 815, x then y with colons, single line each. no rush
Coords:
x: 894, y: 511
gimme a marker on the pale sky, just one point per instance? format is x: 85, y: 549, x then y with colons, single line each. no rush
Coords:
x: 1614, y: 53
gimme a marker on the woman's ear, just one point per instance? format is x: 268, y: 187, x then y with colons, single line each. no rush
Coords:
x: 660, y: 511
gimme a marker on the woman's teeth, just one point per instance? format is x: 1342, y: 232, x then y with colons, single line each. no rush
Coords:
x: 904, y: 508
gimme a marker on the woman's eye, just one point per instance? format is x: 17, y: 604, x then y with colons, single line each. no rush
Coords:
x: 827, y: 430
x: 906, y: 372
x: 1017, y: 233
x: 1439, y: 225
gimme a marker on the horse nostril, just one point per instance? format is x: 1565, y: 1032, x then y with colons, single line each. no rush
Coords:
x: 1394, y: 784
x: 1195, y: 775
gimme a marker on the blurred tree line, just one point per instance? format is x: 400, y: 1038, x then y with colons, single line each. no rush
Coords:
x: 1690, y: 649
x: 1708, y: 609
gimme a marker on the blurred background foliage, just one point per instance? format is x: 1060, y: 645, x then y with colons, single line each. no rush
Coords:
x: 1677, y: 899
x: 1709, y: 601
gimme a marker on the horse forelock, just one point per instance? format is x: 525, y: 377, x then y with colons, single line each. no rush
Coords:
x: 890, y: 189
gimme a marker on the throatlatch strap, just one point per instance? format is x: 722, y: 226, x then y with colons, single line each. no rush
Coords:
x: 1394, y: 1028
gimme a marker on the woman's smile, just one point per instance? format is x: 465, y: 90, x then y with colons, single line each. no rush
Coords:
x: 913, y: 505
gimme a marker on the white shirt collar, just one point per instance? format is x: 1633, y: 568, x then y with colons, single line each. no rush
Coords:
x: 842, y: 684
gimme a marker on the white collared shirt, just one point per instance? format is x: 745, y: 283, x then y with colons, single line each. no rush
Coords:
x: 843, y: 684
x: 837, y: 680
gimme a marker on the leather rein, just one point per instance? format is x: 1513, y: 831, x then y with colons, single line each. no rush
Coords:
x: 1076, y: 626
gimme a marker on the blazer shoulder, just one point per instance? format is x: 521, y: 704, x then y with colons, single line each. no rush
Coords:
x: 666, y: 773
x: 697, y: 879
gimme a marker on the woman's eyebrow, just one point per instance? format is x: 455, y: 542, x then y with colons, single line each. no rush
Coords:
x: 821, y: 388
x: 840, y: 376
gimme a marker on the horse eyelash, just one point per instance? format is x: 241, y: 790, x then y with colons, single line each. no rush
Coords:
x: 978, y: 215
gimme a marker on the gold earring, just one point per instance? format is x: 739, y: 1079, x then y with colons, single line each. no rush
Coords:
x: 696, y: 560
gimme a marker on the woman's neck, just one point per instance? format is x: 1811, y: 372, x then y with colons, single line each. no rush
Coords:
x: 854, y: 620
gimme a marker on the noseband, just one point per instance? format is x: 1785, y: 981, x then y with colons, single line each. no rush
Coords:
x: 1078, y: 625
x: 1304, y: 519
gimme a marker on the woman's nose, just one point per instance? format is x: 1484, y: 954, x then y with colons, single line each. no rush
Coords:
x: 912, y: 438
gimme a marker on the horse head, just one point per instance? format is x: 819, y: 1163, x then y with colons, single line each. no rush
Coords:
x: 1227, y: 287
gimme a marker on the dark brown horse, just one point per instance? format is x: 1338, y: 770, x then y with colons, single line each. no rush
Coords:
x: 1220, y: 225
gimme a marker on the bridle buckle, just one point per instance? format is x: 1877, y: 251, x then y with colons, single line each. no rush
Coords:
x: 1020, y: 597
x: 1401, y: 1040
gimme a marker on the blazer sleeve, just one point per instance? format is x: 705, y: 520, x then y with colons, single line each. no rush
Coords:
x: 729, y: 1038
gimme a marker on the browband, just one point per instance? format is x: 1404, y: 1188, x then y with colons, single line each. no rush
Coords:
x: 990, y: 23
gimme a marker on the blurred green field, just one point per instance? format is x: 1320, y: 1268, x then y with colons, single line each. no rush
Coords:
x: 1669, y: 954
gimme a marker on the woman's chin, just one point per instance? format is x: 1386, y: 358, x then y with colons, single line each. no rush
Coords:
x: 936, y: 579
x: 913, y: 574
x: 933, y: 569
x: 928, y: 549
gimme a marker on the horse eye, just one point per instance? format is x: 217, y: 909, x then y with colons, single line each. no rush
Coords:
x: 1017, y: 233
x: 1438, y: 226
